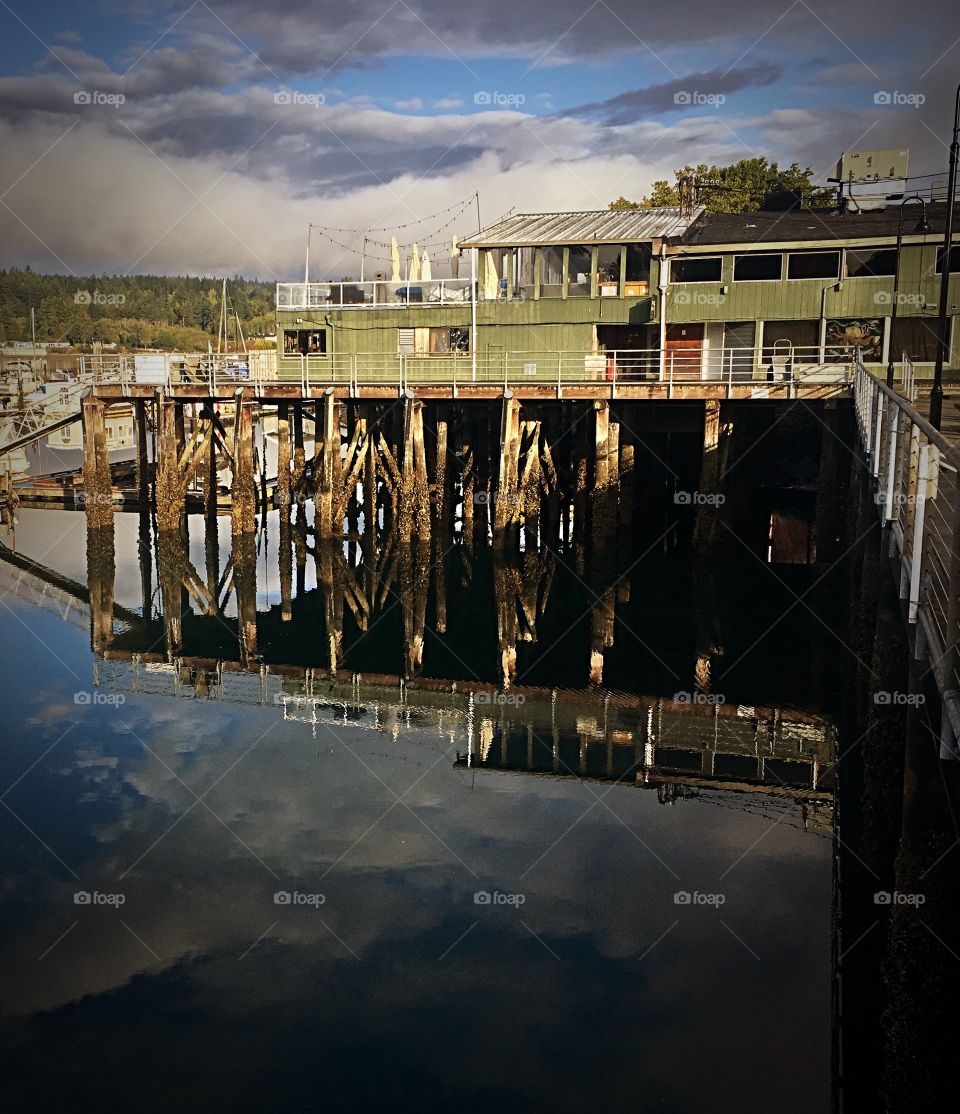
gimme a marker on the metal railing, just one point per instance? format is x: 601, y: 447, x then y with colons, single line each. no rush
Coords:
x: 721, y: 367
x: 915, y: 469
x: 380, y: 294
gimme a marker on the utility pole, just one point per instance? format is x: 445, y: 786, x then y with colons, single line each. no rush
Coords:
x: 943, y: 320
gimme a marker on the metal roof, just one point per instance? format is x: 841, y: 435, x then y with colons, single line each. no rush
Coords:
x: 604, y: 226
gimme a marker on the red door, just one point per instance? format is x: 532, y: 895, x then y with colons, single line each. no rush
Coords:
x: 684, y: 348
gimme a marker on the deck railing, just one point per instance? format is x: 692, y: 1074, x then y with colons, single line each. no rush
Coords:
x: 722, y: 367
x: 917, y: 489
x: 379, y: 294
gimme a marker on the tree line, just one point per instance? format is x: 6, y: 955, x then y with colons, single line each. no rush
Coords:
x: 741, y: 187
x: 132, y: 311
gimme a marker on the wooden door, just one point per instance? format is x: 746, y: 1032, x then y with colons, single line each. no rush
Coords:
x: 684, y: 349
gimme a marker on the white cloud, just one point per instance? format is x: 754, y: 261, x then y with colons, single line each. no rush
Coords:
x: 414, y: 104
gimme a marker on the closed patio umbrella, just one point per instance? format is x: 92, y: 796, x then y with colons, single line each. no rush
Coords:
x: 414, y: 275
x: 426, y: 272
x: 394, y: 260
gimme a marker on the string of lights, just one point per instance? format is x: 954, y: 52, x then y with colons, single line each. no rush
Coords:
x: 397, y: 227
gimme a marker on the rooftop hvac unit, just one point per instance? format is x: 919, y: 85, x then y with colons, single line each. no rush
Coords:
x: 872, y: 166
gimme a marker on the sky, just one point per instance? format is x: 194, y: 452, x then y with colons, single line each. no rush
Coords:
x: 205, y: 137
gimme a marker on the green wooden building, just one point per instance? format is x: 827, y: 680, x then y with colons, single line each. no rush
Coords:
x: 638, y: 294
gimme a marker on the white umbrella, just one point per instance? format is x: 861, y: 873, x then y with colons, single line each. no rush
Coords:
x: 414, y: 275
x: 394, y: 260
x: 426, y: 272
x: 454, y: 259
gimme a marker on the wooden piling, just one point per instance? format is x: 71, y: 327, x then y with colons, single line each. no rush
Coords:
x: 244, y: 497
x: 97, y: 484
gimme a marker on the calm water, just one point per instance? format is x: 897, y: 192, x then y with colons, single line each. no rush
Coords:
x: 475, y: 759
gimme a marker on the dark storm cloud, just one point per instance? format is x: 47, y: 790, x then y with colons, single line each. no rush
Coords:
x: 673, y: 96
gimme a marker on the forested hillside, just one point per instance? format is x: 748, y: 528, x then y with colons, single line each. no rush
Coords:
x: 134, y: 311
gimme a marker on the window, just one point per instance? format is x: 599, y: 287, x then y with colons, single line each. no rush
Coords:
x: 875, y: 261
x: 551, y: 272
x: 779, y: 336
x: 523, y: 272
x: 813, y: 265
x: 304, y: 342
x: 757, y: 268
x: 954, y: 259
x: 638, y: 262
x: 695, y: 269
x: 608, y: 269
x: 579, y: 267
x: 439, y: 341
x: 915, y: 336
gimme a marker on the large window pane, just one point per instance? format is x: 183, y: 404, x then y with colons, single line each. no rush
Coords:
x: 578, y: 284
x: 551, y: 276
x: 813, y: 264
x: 780, y: 336
x: 757, y: 268
x: 954, y: 260
x: 915, y: 336
x: 608, y: 269
x: 696, y: 270
x: 871, y: 261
